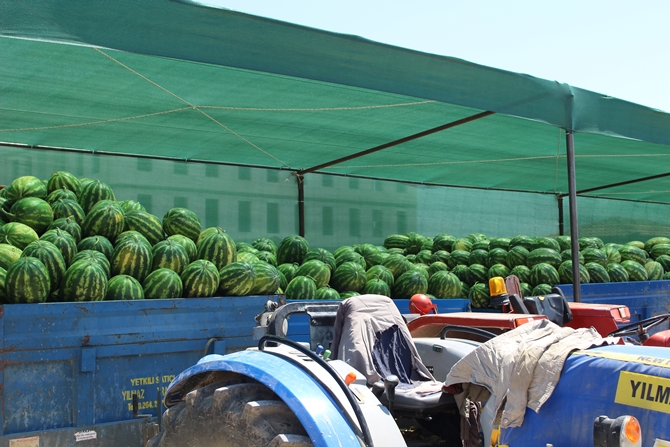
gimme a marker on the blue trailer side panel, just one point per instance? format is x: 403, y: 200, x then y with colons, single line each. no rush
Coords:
x: 66, y: 365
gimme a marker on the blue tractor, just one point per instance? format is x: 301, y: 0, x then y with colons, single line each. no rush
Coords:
x: 288, y: 393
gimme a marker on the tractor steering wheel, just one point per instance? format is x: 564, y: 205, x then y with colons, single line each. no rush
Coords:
x: 640, y: 328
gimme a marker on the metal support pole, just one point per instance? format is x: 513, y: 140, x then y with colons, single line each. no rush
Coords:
x: 574, y: 233
x: 561, y: 224
x: 300, y: 179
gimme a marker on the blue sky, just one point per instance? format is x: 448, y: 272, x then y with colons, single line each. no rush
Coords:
x: 618, y: 48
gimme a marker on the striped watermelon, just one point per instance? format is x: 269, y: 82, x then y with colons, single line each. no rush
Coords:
x: 664, y: 260
x: 477, y: 273
x: 349, y: 276
x: 414, y: 242
x: 462, y: 244
x: 104, y: 219
x: 8, y: 254
x: 479, y: 295
x: 483, y: 244
x: 322, y: 255
x: 265, y: 244
x: 612, y: 253
x: 134, y: 258
x: 590, y: 242
x: 316, y: 270
x: 27, y: 281
x: 162, y: 283
x: 597, y: 273
x: 443, y: 284
x: 348, y: 294
x: 458, y: 257
x: 496, y: 256
x: 97, y: 243
x: 375, y: 286
x: 93, y: 192
x: 200, y: 279
x: 267, y: 279
x: 131, y: 235
x: 182, y: 221
x: 246, y: 256
x: 63, y: 180
x: 566, y: 255
x: 524, y: 241
x: 443, y: 241
x: 541, y: 290
x: 478, y: 256
x: 25, y: 186
x: 499, y: 242
x: 564, y: 242
x: 635, y: 270
x: 380, y: 272
x: 566, y: 276
x: 64, y: 241
x: 17, y: 234
x: 522, y: 272
x: 266, y: 256
x: 217, y: 247
x: 546, y: 255
x: 301, y: 288
x: 288, y: 270
x: 397, y: 263
x: 658, y: 250
x: 97, y: 256
x: 474, y: 237
x: 169, y: 254
x: 292, y: 249
x: 188, y: 244
x: 545, y: 242
x: 516, y: 255
x: 544, y: 273
x: 3, y: 294
x: 236, y: 279
x: 526, y: 289
x: 34, y: 212
x: 350, y: 256
x: 617, y: 273
x: 326, y: 293
x: 498, y: 270
x: 638, y: 244
x: 408, y: 284
x: 84, y: 280
x: 654, y: 270
x: 633, y: 253
x: 146, y: 223
x: 650, y: 243
x: 124, y: 287
x: 396, y: 241
x: 436, y: 267
x: 68, y: 224
x: 130, y: 205
x: 62, y: 194
x: 594, y: 255
x: 52, y: 259
x: 461, y: 271
x: 421, y: 268
x: 440, y: 256
x: 344, y: 248
x: 372, y: 255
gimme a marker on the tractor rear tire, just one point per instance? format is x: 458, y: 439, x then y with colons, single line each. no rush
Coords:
x: 239, y: 412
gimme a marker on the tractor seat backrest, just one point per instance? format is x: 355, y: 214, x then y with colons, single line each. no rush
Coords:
x: 554, y: 305
x: 371, y: 336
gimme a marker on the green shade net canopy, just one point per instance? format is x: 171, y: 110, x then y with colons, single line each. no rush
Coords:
x: 150, y: 95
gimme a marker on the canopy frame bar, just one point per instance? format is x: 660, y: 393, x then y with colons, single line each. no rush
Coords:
x: 574, y: 225
x: 300, y: 174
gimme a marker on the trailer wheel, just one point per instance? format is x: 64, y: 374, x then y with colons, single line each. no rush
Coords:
x: 236, y: 413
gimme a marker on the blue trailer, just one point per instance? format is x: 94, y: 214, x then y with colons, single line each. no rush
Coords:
x: 71, y: 372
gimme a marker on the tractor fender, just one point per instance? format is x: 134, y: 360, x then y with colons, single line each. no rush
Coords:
x: 321, y: 417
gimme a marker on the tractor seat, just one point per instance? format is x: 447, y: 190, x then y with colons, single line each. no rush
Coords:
x: 370, y: 335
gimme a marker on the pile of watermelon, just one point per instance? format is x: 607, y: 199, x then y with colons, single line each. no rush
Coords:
x: 70, y: 239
